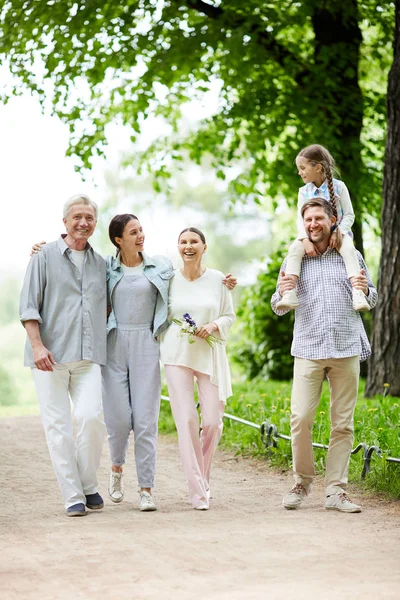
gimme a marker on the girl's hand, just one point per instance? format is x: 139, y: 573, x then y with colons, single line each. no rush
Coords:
x: 339, y: 239
x: 333, y: 240
x: 336, y: 239
x: 309, y: 248
x: 230, y: 281
x: 205, y: 330
x: 36, y: 247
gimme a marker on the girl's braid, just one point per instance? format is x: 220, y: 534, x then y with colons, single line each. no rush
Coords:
x: 331, y: 189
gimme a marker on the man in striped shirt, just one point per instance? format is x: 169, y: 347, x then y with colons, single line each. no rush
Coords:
x: 329, y: 341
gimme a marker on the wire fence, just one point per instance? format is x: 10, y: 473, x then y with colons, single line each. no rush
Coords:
x: 270, y: 435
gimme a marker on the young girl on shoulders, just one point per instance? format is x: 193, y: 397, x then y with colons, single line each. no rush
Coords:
x: 316, y: 167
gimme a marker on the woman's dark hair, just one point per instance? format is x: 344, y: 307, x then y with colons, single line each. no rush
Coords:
x: 117, y: 226
x: 194, y: 230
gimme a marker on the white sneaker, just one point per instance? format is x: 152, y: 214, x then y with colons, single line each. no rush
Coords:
x: 116, y: 487
x: 359, y: 300
x: 341, y: 502
x: 295, y: 496
x: 289, y: 300
x: 146, y: 501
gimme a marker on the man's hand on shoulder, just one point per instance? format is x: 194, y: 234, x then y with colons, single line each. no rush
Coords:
x: 230, y: 281
x: 36, y: 247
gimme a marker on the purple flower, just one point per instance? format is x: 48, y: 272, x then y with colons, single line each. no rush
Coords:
x: 189, y: 320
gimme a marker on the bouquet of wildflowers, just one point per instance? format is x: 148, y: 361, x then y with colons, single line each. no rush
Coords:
x: 188, y: 327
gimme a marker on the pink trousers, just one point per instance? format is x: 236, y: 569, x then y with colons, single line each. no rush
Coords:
x: 196, y: 450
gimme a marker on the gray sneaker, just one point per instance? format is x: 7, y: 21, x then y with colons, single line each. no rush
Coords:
x: 295, y: 496
x: 340, y: 501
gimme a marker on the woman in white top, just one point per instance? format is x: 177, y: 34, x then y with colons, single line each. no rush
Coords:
x: 199, y: 291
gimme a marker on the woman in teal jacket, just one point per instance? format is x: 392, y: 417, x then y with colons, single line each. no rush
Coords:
x: 138, y: 303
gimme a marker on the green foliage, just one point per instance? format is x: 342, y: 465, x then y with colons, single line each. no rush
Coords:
x: 8, y: 395
x: 265, y: 338
x: 288, y: 74
x: 9, y: 301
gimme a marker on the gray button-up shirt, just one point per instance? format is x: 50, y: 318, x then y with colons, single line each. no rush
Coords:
x: 70, y: 308
x: 326, y: 325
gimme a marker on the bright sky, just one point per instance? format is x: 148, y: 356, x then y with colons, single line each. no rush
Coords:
x: 37, y: 178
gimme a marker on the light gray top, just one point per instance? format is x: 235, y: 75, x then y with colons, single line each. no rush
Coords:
x: 70, y: 308
x: 135, y: 302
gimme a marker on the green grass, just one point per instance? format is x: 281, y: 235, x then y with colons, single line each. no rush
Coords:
x: 17, y: 391
x: 377, y: 422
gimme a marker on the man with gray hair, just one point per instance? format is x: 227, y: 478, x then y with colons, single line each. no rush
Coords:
x: 63, y: 309
x: 329, y: 341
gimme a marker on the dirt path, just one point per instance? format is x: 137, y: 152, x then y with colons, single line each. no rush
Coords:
x: 246, y: 547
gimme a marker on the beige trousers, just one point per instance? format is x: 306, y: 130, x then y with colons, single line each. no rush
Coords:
x: 347, y: 252
x: 342, y: 375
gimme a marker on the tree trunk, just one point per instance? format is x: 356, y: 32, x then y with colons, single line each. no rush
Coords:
x: 385, y: 361
x: 338, y: 98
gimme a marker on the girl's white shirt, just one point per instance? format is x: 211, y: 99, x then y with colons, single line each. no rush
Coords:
x: 207, y: 300
x: 346, y: 211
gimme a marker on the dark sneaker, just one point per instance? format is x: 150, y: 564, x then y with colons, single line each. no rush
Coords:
x: 94, y: 501
x: 77, y: 510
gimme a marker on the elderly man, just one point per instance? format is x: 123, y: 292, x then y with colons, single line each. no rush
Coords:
x: 329, y: 341
x: 63, y: 309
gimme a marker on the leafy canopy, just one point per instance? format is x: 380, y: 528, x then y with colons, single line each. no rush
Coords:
x: 289, y: 74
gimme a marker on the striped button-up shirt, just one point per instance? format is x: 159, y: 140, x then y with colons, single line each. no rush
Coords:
x: 69, y: 307
x: 326, y: 325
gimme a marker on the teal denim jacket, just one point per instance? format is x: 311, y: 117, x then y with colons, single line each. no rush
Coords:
x: 159, y: 271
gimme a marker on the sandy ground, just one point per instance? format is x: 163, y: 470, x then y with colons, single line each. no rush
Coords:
x: 245, y: 547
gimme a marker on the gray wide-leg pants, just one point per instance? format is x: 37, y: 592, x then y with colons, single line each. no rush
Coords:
x: 131, y: 398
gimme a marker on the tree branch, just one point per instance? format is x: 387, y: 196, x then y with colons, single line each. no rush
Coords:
x: 214, y: 12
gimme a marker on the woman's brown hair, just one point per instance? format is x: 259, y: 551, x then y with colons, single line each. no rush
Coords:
x: 317, y: 154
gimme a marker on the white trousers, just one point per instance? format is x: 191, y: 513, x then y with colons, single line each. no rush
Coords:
x: 342, y: 375
x: 75, y: 466
x: 196, y: 451
x: 347, y: 252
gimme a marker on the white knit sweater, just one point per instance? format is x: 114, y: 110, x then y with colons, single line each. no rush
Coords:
x: 207, y: 300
